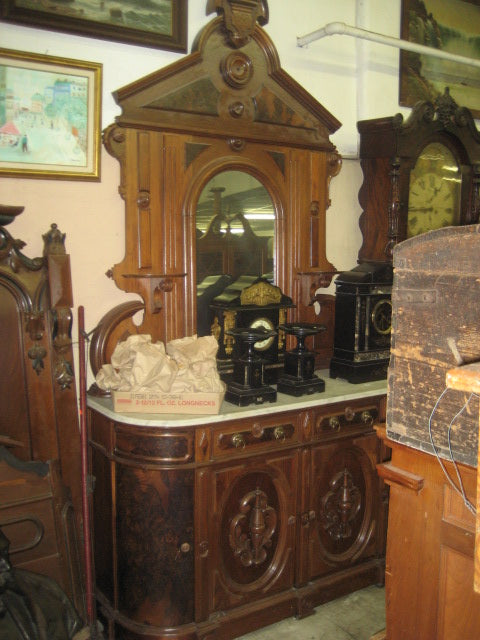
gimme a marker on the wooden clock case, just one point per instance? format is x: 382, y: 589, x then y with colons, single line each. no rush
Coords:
x: 389, y: 148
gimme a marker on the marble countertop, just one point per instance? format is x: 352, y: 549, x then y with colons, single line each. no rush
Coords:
x: 336, y: 390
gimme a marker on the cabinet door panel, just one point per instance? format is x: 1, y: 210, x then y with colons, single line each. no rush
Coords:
x: 154, y: 538
x: 344, y: 498
x: 252, y: 529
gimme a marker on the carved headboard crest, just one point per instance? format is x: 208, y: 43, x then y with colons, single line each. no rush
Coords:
x: 240, y: 17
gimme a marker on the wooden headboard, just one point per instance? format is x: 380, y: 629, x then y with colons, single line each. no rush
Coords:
x: 39, y: 418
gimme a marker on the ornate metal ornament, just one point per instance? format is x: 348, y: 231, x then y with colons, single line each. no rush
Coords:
x: 261, y: 294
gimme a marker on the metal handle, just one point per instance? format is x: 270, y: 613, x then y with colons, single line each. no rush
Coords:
x: 334, y: 423
x: 279, y: 433
x: 366, y: 417
x: 238, y: 441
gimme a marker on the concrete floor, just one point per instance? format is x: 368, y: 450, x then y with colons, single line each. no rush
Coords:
x: 357, y: 616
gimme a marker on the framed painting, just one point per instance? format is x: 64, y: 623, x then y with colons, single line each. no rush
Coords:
x: 49, y: 117
x: 450, y: 25
x: 152, y: 23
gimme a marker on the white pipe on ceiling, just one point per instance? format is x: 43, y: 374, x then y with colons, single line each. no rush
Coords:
x: 341, y: 28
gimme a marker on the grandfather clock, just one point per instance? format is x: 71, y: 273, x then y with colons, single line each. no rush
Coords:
x: 419, y: 175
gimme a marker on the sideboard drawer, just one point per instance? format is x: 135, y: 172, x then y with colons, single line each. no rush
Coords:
x: 346, y: 418
x: 254, y: 436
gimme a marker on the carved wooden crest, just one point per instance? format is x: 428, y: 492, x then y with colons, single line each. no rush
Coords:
x: 240, y: 17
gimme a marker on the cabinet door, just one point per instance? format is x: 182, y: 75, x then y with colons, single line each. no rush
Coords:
x: 344, y: 504
x: 250, y: 519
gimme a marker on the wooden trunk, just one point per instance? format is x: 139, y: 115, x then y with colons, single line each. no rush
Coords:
x: 435, y: 327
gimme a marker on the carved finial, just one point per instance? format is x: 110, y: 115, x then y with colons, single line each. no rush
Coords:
x: 240, y: 17
x: 445, y: 107
x: 54, y: 241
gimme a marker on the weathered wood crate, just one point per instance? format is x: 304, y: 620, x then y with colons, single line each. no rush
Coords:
x: 435, y: 327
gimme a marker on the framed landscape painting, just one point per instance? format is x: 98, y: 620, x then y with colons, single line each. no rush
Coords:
x: 49, y: 117
x: 152, y: 23
x: 449, y: 25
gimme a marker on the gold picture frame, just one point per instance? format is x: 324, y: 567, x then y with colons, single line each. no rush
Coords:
x: 50, y: 111
x: 161, y: 24
x: 450, y: 25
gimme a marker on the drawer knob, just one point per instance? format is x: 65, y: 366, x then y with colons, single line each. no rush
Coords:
x: 367, y: 417
x: 185, y: 547
x: 349, y: 414
x: 279, y: 433
x: 334, y: 423
x: 238, y: 441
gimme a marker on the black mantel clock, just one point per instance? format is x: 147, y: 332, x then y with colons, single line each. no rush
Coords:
x: 250, y: 303
x: 363, y: 313
x: 419, y: 175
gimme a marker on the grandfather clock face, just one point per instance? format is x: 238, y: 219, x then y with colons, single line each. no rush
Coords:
x: 434, y: 191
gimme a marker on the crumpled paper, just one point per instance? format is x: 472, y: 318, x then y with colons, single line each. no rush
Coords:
x: 184, y: 365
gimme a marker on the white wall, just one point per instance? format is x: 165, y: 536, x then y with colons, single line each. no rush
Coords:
x: 353, y: 79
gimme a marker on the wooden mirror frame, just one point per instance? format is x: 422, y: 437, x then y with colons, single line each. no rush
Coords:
x: 227, y: 105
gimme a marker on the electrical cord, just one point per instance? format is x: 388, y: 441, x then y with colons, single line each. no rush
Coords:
x: 460, y: 488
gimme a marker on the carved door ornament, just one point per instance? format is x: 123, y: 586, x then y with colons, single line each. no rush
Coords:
x: 340, y: 506
x: 252, y: 529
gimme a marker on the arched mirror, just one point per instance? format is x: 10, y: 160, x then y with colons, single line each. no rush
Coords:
x: 235, y: 237
x: 235, y: 227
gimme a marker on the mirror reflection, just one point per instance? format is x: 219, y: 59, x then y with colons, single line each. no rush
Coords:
x: 235, y: 236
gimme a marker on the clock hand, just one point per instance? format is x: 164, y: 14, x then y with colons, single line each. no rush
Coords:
x: 420, y: 208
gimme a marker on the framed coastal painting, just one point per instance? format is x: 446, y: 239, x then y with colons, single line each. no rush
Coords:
x: 49, y: 117
x: 449, y: 25
x: 152, y: 23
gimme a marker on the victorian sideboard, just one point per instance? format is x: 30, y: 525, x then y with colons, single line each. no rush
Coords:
x: 209, y: 527
x: 212, y: 526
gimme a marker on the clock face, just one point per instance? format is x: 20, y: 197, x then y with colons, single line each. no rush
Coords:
x: 266, y: 323
x: 382, y: 317
x: 435, y: 191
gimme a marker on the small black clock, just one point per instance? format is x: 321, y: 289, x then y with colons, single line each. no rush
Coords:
x: 363, y: 322
x: 250, y: 305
